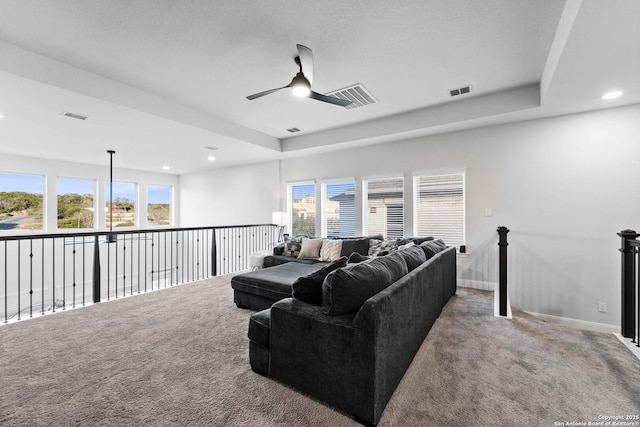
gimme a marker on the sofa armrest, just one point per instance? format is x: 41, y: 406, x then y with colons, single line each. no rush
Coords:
x: 324, y: 356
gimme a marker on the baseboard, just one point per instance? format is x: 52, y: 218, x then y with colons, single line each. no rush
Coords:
x: 477, y: 284
x: 631, y: 346
x: 580, y: 324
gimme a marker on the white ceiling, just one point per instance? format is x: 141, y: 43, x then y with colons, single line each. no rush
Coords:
x: 161, y: 80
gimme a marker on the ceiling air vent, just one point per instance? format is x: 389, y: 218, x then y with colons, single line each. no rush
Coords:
x: 460, y: 91
x: 74, y: 116
x: 293, y: 130
x: 208, y: 147
x: 357, y: 94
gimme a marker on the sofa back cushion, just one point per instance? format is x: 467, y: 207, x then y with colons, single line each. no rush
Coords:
x: 346, y: 289
x: 432, y: 247
x: 359, y: 245
x: 413, y: 256
x: 309, y: 288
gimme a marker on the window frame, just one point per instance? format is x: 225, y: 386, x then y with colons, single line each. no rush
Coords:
x: 416, y: 202
x: 324, y: 205
x: 366, y: 208
x: 290, y: 187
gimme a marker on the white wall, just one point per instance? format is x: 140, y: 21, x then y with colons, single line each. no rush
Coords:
x: 231, y: 196
x: 564, y: 186
x: 52, y: 169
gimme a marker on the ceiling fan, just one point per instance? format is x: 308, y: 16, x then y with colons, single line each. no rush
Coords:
x: 301, y: 84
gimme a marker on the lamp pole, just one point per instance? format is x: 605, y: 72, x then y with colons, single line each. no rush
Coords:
x: 111, y: 153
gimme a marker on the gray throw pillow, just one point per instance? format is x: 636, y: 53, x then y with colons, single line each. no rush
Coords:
x: 309, y: 288
x: 346, y: 289
x: 432, y: 247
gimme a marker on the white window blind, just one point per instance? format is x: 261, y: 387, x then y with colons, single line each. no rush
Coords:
x: 385, y: 207
x: 339, y: 209
x: 439, y: 207
x: 303, y: 209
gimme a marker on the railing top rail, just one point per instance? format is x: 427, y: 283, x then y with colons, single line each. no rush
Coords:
x: 117, y: 232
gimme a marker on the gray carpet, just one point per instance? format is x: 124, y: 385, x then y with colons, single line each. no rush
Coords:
x: 178, y: 357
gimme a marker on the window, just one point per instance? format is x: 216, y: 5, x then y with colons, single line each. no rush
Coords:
x: 385, y: 201
x: 303, y: 209
x: 124, y: 201
x: 75, y: 203
x: 339, y: 209
x: 21, y: 201
x: 439, y: 207
x: 159, y: 205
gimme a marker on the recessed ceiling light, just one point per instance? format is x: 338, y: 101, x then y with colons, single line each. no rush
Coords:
x: 166, y: 168
x: 1, y: 116
x: 612, y: 95
x: 211, y: 158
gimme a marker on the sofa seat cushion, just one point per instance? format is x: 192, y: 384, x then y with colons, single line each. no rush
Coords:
x: 346, y: 289
x: 273, y: 260
x: 259, y: 325
x: 274, y: 282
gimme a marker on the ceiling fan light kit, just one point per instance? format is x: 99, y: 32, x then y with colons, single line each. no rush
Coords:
x: 301, y: 84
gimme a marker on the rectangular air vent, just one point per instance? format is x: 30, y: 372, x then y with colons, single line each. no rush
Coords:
x: 74, y: 116
x: 208, y: 147
x: 293, y: 130
x: 357, y: 94
x: 460, y: 90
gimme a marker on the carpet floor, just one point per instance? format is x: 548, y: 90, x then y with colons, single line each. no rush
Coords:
x: 179, y: 357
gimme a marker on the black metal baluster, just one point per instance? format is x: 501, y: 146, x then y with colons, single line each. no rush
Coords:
x: 30, y: 277
x: 116, y: 264
x: 84, y: 264
x: 152, y: 265
x: 109, y: 237
x: 139, y: 262
x: 53, y: 260
x: 64, y: 274
x: 214, y: 254
x: 6, y: 290
x: 131, y: 264
x: 124, y: 265
x: 182, y: 246
x: 74, y: 273
x: 171, y: 257
x: 96, y: 270
x: 198, y: 274
x: 19, y: 269
x: 164, y: 233
x: 42, y: 276
x: 146, y: 257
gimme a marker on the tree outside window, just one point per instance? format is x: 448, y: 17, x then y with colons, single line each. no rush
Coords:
x: 21, y: 201
x: 159, y: 205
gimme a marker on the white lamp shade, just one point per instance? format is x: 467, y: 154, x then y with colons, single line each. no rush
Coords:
x: 279, y: 218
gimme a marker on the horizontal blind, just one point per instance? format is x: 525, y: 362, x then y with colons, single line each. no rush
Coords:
x: 303, y: 209
x: 439, y: 207
x: 340, y: 213
x: 385, y: 207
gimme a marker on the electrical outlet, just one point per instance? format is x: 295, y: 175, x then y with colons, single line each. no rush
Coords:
x: 602, y: 307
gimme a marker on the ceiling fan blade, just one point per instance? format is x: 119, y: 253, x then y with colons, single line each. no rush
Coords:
x: 329, y: 99
x: 266, y: 92
x: 306, y: 61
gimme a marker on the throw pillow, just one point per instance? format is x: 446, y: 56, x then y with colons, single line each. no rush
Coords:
x: 432, y: 247
x: 346, y: 289
x: 413, y: 256
x: 330, y: 250
x: 310, y: 248
x: 309, y: 288
x: 382, y: 247
x: 359, y: 245
x: 292, y: 246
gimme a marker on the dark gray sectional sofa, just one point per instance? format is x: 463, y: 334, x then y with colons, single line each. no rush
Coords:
x: 352, y: 348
